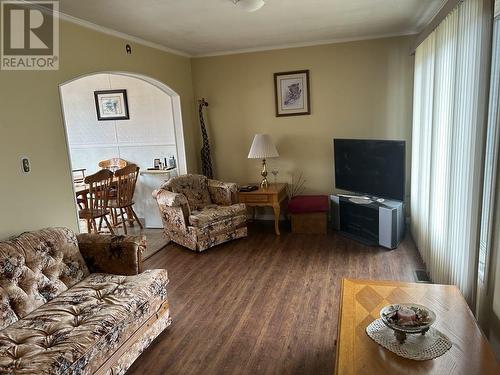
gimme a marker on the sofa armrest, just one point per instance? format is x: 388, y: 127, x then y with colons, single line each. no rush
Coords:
x: 223, y: 193
x: 117, y: 255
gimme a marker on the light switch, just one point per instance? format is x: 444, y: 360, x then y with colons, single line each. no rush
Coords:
x: 25, y: 164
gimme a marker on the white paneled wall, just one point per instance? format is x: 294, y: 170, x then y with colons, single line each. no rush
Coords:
x: 149, y: 133
x: 82, y: 126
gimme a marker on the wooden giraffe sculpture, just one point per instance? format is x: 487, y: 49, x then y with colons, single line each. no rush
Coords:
x: 206, y: 159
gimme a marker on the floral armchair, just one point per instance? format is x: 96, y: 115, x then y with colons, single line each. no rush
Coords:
x: 199, y: 213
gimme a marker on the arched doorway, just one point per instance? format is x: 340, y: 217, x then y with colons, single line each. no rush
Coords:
x: 154, y: 129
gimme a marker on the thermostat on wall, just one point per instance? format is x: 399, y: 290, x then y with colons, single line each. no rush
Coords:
x: 25, y: 164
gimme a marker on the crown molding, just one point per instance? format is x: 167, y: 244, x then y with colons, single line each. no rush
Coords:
x: 425, y: 20
x: 447, y: 7
x: 131, y: 38
x: 304, y: 44
x: 108, y: 31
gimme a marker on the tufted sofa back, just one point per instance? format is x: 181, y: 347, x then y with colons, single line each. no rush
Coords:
x: 193, y: 186
x: 36, y: 267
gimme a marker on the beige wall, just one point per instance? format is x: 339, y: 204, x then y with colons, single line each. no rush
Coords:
x: 358, y: 89
x: 31, y: 124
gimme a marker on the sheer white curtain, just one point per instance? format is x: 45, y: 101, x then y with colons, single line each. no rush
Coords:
x: 447, y: 145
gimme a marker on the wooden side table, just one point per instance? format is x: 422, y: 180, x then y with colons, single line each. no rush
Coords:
x: 361, y: 301
x: 273, y: 196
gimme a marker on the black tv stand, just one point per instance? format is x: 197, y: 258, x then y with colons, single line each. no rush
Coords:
x: 363, y: 240
x: 371, y: 221
x: 359, y: 220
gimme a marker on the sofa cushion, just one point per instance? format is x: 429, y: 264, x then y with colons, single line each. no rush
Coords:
x: 211, y: 214
x: 36, y: 267
x: 80, y: 329
x: 193, y: 187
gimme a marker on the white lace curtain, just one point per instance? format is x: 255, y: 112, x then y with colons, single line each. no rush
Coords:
x: 447, y: 145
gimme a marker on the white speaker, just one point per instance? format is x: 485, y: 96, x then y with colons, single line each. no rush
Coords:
x: 390, y: 224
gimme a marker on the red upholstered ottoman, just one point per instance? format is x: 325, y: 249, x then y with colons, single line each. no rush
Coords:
x: 309, y: 213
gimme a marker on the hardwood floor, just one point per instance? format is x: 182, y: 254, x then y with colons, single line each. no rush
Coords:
x: 262, y: 305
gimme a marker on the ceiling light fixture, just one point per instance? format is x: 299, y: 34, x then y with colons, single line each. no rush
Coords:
x: 249, y: 5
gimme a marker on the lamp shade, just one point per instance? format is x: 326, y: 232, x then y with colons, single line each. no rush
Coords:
x: 262, y: 147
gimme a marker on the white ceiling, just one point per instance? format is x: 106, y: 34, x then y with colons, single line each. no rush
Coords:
x: 204, y: 27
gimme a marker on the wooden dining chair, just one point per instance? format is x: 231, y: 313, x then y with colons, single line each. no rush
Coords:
x: 113, y: 164
x: 78, y: 175
x: 97, y: 200
x: 125, y: 179
x: 78, y: 178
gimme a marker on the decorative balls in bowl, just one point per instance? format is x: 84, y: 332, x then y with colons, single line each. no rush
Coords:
x: 406, y: 318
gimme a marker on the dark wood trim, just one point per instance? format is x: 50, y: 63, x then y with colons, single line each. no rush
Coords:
x: 431, y: 26
x: 125, y: 102
x: 276, y: 75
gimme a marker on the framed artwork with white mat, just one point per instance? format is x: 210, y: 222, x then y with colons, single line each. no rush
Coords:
x: 111, y: 105
x: 291, y: 91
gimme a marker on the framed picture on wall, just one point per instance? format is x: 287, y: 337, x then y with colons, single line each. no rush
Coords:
x: 291, y: 91
x: 111, y: 105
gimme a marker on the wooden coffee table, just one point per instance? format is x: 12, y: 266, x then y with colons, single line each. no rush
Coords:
x: 361, y: 301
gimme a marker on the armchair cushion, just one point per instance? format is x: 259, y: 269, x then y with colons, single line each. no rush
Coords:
x: 213, y: 213
x: 35, y: 267
x: 118, y: 255
x: 193, y: 187
x: 223, y: 193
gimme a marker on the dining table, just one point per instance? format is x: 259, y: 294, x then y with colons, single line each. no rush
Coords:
x: 81, y: 192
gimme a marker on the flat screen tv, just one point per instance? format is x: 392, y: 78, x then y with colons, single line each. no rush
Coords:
x: 372, y: 167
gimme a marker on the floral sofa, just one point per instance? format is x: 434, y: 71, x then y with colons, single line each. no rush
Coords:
x: 77, y: 304
x: 199, y: 213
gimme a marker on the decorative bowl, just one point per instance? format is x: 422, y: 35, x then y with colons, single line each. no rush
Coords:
x: 407, y: 318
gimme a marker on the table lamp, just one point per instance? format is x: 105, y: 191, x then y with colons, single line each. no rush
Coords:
x: 263, y: 148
